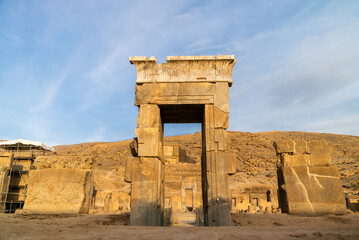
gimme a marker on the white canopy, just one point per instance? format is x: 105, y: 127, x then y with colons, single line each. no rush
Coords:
x: 28, y: 142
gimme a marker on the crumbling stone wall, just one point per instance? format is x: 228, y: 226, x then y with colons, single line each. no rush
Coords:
x: 307, y: 182
x: 59, y: 191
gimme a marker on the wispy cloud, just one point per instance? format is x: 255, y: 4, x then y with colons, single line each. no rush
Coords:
x: 64, y: 65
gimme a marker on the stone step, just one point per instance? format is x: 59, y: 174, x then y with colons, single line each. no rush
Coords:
x: 187, y: 219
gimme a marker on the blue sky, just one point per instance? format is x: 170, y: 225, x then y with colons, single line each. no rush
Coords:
x: 65, y: 76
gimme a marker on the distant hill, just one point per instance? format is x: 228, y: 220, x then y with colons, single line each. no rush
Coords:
x: 256, y: 156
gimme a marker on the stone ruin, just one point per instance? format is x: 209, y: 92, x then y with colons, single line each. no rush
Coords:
x: 254, y: 198
x: 164, y: 181
x: 27, y: 189
x: 59, y: 191
x: 185, y: 89
x: 307, y: 183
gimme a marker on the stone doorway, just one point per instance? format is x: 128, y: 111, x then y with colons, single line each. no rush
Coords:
x: 184, y: 90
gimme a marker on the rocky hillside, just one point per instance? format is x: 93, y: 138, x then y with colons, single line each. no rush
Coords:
x: 256, y: 157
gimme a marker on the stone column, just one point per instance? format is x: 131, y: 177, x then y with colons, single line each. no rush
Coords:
x: 147, y: 198
x: 218, y: 161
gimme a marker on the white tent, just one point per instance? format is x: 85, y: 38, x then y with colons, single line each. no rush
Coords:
x: 27, y: 142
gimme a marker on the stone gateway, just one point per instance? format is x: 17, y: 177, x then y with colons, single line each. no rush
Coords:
x: 185, y: 89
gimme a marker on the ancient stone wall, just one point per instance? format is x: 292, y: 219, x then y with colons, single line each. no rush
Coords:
x: 59, y: 191
x: 254, y: 198
x: 307, y: 182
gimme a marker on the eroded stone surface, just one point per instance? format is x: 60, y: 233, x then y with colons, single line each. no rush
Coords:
x: 307, y: 182
x: 57, y: 191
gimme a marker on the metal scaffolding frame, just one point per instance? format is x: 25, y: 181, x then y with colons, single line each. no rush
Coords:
x: 12, y: 197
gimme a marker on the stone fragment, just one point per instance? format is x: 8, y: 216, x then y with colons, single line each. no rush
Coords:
x: 132, y: 168
x: 145, y: 207
x: 231, y: 160
x: 294, y: 160
x: 308, y: 184
x: 311, y: 191
x: 148, y: 141
x: 221, y: 100
x: 221, y: 139
x: 59, y: 191
x: 145, y: 94
x: 221, y: 118
x: 319, y: 160
x: 285, y: 146
x: 148, y: 116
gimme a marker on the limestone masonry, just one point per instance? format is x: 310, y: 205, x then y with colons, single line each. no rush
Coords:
x: 307, y: 182
x: 191, y: 89
x: 59, y: 191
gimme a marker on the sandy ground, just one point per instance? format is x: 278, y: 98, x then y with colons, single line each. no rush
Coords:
x: 254, y: 226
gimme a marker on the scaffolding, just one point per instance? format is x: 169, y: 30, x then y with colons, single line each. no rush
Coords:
x: 16, y: 161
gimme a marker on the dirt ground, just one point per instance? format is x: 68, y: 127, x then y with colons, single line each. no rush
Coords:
x: 249, y: 226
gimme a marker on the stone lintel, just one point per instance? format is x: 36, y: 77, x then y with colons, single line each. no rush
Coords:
x: 185, y: 69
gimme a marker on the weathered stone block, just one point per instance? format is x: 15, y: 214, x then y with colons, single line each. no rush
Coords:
x: 168, y: 150
x: 57, y: 191
x: 221, y: 139
x: 232, y: 165
x: 318, y: 147
x: 145, y: 94
x: 319, y: 160
x: 221, y: 118
x: 175, y: 93
x: 148, y: 170
x: 184, y: 93
x: 285, y: 146
x: 221, y: 99
x: 143, y: 169
x: 131, y: 168
x: 148, y: 141
x: 148, y: 116
x: 294, y: 160
x: 145, y: 204
x: 184, y: 69
x: 311, y: 190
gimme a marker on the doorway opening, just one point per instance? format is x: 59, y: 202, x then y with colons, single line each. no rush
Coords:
x: 183, y: 151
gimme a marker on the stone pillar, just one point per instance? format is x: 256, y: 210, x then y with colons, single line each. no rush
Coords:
x: 218, y: 162
x: 147, y: 198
